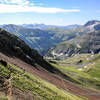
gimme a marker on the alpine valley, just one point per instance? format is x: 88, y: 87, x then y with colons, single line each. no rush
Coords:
x: 49, y: 62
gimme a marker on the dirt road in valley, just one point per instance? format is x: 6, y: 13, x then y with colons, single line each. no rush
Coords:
x: 54, y: 79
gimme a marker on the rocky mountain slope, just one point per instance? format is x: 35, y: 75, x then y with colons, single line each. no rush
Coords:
x: 88, y: 42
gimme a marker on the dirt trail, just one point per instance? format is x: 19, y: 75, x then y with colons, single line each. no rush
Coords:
x: 6, y: 87
x: 9, y: 88
x: 55, y: 79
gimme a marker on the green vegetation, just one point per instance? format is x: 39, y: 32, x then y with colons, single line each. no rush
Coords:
x: 86, y: 73
x: 2, y: 97
x: 40, y: 88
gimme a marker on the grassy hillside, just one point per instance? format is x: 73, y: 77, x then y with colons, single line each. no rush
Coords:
x: 85, y: 68
x: 27, y: 82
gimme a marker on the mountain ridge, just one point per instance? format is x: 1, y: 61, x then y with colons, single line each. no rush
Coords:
x: 87, y: 36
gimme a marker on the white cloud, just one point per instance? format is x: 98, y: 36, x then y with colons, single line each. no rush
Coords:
x: 19, y: 8
x: 12, y: 6
x: 18, y: 2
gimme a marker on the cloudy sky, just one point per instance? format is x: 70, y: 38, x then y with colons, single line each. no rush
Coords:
x: 54, y: 12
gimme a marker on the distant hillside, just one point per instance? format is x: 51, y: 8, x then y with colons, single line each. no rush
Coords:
x: 89, y: 42
x: 40, y: 40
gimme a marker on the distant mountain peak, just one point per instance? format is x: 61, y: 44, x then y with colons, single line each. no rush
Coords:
x: 92, y: 22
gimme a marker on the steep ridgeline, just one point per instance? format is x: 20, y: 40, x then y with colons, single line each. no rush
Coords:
x: 86, y: 43
x: 15, y: 47
x: 40, y: 40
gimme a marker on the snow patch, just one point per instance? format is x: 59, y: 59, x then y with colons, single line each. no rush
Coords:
x: 28, y: 56
x: 78, y: 45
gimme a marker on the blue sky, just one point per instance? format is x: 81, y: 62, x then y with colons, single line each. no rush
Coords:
x: 52, y: 12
